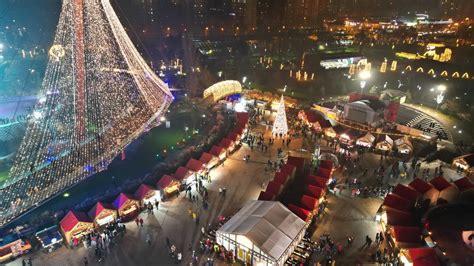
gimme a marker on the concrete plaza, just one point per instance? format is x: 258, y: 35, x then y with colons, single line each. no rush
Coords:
x: 345, y: 216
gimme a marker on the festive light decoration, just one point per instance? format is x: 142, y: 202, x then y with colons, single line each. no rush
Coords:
x: 222, y: 89
x: 280, y: 125
x: 98, y: 96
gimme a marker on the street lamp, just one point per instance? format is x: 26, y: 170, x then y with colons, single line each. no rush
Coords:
x: 364, y: 75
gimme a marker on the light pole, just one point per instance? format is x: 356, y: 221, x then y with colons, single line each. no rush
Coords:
x: 364, y: 75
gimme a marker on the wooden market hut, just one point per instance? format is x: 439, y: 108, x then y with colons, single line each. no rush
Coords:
x: 366, y: 140
x: 465, y: 162
x: 147, y: 194
x: 75, y: 225
x: 195, y: 165
x: 404, y: 145
x: 126, y: 205
x: 218, y: 151
x: 102, y: 213
x: 209, y: 160
x: 265, y: 195
x: 183, y: 175
x: 426, y: 189
x: 349, y: 137
x: 168, y: 185
x: 227, y: 144
x: 384, y: 143
x: 447, y: 192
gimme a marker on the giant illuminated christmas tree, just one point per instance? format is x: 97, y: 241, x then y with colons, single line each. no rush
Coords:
x: 280, y: 126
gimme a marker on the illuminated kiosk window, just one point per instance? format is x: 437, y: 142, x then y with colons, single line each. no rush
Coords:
x: 105, y: 220
x: 222, y: 89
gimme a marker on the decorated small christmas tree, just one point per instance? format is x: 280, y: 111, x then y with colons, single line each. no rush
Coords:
x: 280, y: 126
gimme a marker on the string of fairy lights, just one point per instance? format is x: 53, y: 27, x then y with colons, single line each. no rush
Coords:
x: 122, y: 97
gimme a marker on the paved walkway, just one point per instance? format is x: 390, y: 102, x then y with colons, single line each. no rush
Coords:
x: 346, y: 216
x: 243, y: 181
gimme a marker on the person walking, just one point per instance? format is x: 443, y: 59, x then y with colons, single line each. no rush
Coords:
x: 168, y: 242
x: 141, y: 222
x: 86, y: 262
x: 137, y: 221
x: 381, y: 238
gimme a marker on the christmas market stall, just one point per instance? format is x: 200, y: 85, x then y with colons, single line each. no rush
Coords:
x: 407, y: 193
x: 422, y: 256
x: 404, y: 145
x: 147, y: 194
x: 264, y: 195
x: 466, y: 188
x: 227, y: 144
x: 184, y: 175
x: 12, y: 246
x: 289, y: 169
x: 168, y: 185
x: 299, y: 162
x: 334, y: 131
x: 50, y: 238
x: 464, y: 163
x: 447, y: 192
x: 430, y: 194
x: 262, y: 233
x: 209, y: 160
x: 274, y: 188
x: 234, y: 137
x: 393, y: 202
x: 74, y: 226
x: 102, y: 214
x: 349, y: 137
x: 366, y: 140
x: 314, y: 119
x: 281, y: 178
x: 406, y: 236
x: 196, y: 166
x: 219, y: 152
x: 384, y: 143
x: 315, y: 192
x: 126, y: 205
x: 318, y: 181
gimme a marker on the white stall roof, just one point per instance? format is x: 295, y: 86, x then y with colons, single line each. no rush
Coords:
x: 268, y: 224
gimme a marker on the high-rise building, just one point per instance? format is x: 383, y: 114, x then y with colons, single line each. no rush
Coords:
x: 245, y: 12
x: 270, y: 13
x: 301, y: 13
x: 456, y: 9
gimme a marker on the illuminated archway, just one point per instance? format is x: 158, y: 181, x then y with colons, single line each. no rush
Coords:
x: 465, y: 76
x: 420, y: 69
x: 444, y: 73
x: 408, y: 68
x: 222, y: 89
x: 455, y: 75
x: 431, y: 72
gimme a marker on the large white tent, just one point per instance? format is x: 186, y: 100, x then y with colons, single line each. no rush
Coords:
x: 262, y: 233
